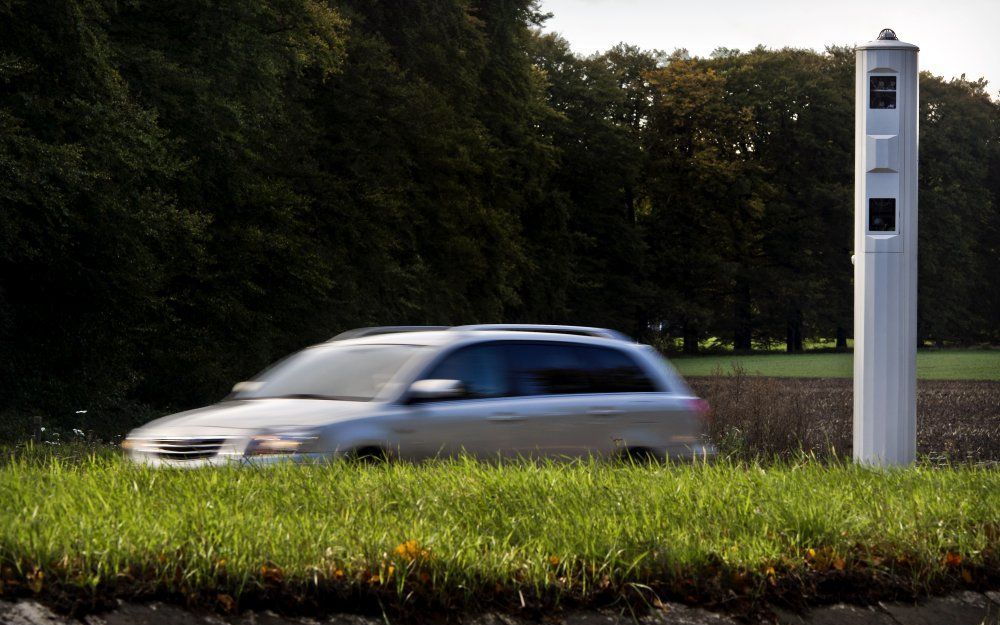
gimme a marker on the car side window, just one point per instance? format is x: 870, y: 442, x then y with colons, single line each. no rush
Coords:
x: 614, y: 371
x: 547, y: 368
x: 480, y: 368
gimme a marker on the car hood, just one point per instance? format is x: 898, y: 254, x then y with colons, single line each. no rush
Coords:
x: 240, y: 416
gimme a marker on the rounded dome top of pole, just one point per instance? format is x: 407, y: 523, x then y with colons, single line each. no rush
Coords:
x: 887, y: 41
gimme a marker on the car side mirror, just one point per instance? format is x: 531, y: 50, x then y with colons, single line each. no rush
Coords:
x: 249, y: 385
x: 428, y: 390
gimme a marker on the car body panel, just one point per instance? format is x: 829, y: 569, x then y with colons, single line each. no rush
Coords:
x: 253, y: 414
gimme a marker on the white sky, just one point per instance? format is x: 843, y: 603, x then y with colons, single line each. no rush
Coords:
x: 955, y: 36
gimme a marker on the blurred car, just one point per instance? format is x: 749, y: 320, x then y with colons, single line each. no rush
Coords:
x: 416, y: 392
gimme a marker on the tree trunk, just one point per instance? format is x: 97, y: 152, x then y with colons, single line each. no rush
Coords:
x: 690, y: 339
x: 841, y: 339
x: 793, y: 335
x: 743, y: 320
x: 629, y: 204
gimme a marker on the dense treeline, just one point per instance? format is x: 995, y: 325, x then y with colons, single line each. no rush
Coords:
x: 193, y: 188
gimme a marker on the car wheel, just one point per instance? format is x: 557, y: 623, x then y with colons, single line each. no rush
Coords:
x: 641, y: 455
x: 369, y: 455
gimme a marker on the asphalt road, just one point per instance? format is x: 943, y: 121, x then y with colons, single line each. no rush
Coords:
x: 964, y: 608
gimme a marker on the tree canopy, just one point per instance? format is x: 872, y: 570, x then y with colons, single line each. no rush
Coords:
x: 192, y: 189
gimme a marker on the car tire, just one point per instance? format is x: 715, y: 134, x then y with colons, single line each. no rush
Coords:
x: 641, y: 456
x: 369, y: 455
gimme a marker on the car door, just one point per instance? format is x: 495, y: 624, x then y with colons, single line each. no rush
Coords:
x: 475, y: 422
x: 550, y: 388
x: 578, y: 400
x: 625, y: 408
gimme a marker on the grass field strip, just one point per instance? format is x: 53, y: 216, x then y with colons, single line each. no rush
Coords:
x: 945, y: 364
x: 459, y: 528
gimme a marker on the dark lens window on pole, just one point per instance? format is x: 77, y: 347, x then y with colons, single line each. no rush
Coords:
x: 882, y: 214
x: 882, y: 92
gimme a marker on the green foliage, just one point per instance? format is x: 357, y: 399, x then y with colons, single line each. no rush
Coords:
x: 751, y: 165
x: 88, y: 218
x: 192, y: 189
x: 598, y: 106
x: 735, y: 173
x: 959, y: 210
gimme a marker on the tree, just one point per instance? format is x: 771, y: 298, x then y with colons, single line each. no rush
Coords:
x: 228, y: 80
x: 704, y: 204
x: 958, y: 210
x: 801, y: 107
x: 193, y: 189
x: 600, y: 104
x: 736, y: 176
x: 88, y: 227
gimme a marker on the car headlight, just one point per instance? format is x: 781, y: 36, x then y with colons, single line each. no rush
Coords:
x: 279, y: 444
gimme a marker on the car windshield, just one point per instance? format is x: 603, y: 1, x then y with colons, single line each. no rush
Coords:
x: 349, y: 373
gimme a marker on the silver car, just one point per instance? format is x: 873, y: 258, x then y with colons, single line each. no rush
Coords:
x: 416, y: 392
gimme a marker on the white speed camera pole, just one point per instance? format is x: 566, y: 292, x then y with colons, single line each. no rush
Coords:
x: 885, y: 252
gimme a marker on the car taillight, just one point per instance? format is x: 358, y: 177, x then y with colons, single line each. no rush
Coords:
x: 701, y: 408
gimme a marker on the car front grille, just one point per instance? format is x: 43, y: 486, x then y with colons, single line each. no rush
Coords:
x: 185, y: 448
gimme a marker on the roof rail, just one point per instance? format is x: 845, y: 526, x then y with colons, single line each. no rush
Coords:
x: 360, y: 332
x: 554, y: 329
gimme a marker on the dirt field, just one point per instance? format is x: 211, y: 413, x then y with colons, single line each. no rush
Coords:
x: 957, y: 421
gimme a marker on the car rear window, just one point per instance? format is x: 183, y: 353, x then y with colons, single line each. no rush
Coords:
x: 614, y: 371
x: 551, y: 368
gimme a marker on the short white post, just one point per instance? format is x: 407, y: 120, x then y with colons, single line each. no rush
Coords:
x: 885, y: 252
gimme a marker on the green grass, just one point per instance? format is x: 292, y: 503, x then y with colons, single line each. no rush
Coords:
x: 954, y: 364
x: 480, y: 531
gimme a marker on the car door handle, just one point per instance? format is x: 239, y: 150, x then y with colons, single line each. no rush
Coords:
x: 604, y: 412
x: 505, y: 416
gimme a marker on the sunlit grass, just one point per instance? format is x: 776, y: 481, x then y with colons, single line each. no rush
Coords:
x: 458, y: 529
x: 952, y: 364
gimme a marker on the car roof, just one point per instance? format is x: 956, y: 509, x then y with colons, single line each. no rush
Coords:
x: 449, y: 336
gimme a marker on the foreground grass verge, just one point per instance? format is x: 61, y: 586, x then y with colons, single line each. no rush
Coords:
x: 464, y: 534
x: 946, y: 364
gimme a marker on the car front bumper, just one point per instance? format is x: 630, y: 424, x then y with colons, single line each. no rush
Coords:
x: 226, y: 460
